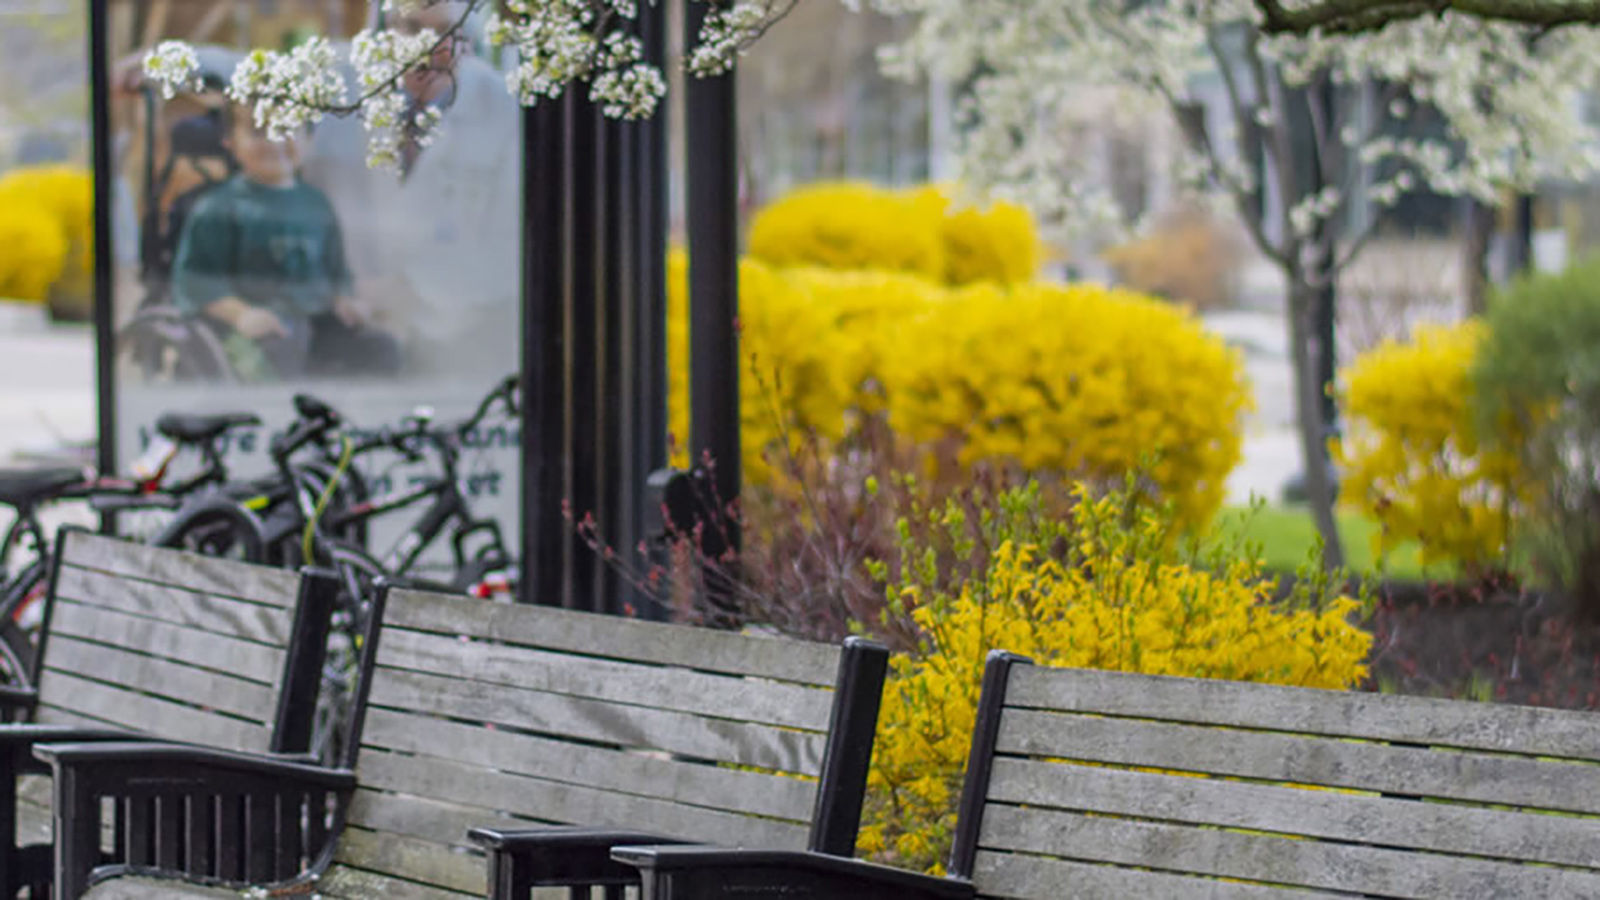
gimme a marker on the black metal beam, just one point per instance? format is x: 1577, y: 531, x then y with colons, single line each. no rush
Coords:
x: 585, y: 273
x: 104, y: 257
x: 713, y: 190
x: 544, y: 351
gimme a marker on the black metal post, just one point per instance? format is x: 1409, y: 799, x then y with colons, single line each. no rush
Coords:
x: 585, y: 275
x: 615, y: 398
x: 544, y: 351
x: 647, y: 155
x: 104, y: 302
x: 713, y: 191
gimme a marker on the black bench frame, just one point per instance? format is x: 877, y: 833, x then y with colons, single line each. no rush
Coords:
x: 581, y: 857
x: 31, y: 866
x: 707, y: 873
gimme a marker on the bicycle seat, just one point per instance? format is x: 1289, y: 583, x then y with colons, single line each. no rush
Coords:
x: 186, y: 428
x: 26, y: 487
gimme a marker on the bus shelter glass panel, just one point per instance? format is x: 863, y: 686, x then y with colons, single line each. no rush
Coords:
x: 249, y: 270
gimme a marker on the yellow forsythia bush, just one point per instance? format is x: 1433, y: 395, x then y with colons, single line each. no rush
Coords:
x: 64, y: 197
x: 34, y: 252
x: 1121, y: 596
x: 810, y: 344
x: 920, y: 231
x: 1412, y: 460
x: 1079, y: 379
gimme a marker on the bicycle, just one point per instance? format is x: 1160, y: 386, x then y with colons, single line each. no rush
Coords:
x: 25, y: 550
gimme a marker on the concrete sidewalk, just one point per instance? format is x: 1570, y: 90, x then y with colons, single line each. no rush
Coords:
x: 46, y: 390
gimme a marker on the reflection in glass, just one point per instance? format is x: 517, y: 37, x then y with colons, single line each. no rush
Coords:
x: 248, y: 270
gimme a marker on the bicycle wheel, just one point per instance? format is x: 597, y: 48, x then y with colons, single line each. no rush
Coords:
x: 19, y: 628
x: 218, y: 529
x: 161, y: 344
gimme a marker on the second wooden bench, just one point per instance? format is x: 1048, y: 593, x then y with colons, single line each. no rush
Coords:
x: 509, y: 719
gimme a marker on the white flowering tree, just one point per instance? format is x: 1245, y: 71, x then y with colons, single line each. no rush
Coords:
x: 1505, y: 95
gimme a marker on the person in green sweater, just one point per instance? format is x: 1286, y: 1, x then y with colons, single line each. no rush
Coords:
x: 262, y: 256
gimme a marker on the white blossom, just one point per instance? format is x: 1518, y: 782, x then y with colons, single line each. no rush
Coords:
x: 557, y: 42
x: 171, y: 65
x: 288, y: 90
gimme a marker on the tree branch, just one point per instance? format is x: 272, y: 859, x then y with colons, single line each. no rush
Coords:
x: 1353, y: 16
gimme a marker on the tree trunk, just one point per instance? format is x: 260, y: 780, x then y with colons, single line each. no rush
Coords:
x: 1308, y: 390
x: 1475, y: 256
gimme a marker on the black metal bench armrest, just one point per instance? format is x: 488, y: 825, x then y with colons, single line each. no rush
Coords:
x: 709, y: 873
x: 524, y: 858
x: 271, y: 819
x: 17, y: 743
x: 14, y: 698
x: 196, y: 763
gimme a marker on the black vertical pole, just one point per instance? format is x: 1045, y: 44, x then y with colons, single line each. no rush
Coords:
x: 648, y: 345
x: 654, y: 216
x: 712, y: 181
x: 544, y: 350
x: 104, y: 302
x: 584, y: 284
x: 615, y: 394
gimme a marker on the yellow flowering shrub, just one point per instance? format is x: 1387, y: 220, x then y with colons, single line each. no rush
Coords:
x: 34, y: 253
x: 64, y: 195
x: 1107, y: 588
x: 1078, y: 379
x: 919, y: 231
x: 1413, y: 461
x: 851, y: 225
x: 997, y: 242
x: 811, y: 343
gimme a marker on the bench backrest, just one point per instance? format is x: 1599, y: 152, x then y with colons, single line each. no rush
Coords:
x: 1286, y: 792
x: 182, y: 646
x: 497, y: 715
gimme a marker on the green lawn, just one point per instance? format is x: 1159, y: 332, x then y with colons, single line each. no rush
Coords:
x: 1286, y: 535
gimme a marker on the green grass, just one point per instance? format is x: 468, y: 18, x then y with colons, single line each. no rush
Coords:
x: 1286, y: 535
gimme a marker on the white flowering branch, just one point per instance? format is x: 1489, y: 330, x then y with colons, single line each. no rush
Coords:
x: 558, y: 42
x: 1355, y: 16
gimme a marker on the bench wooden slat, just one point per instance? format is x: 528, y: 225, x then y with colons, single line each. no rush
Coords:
x: 713, y: 739
x: 570, y: 804
x: 427, y: 819
x: 176, y: 568
x: 1422, y: 720
x: 430, y: 864
x: 161, y: 677
x: 177, y: 606
x: 140, y: 712
x: 1477, y: 777
x: 565, y: 630
x: 1277, y: 860
x: 647, y: 775
x: 256, y: 662
x: 1378, y: 821
x: 768, y: 702
x: 1016, y: 875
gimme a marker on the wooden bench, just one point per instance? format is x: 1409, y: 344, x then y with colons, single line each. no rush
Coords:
x: 511, y: 719
x: 1073, y: 790
x: 164, y: 644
